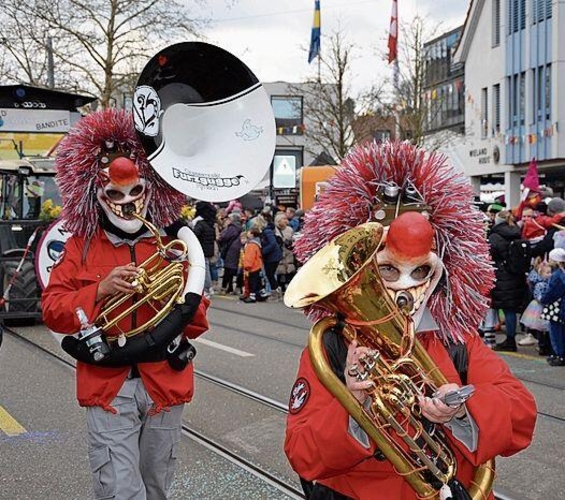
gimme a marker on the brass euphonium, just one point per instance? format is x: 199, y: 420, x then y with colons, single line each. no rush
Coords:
x: 343, y: 277
x: 159, y: 284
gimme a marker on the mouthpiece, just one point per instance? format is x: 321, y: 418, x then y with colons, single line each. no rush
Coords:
x: 128, y: 209
x: 405, y: 301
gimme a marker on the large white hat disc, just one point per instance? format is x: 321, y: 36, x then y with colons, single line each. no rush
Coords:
x: 205, y: 121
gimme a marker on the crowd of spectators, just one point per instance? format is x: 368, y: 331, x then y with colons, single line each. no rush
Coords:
x: 248, y: 252
x: 522, y: 293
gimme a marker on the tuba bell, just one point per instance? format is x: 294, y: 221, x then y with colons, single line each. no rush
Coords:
x: 343, y: 277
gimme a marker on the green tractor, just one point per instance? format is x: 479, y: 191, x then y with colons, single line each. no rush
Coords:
x: 26, y: 186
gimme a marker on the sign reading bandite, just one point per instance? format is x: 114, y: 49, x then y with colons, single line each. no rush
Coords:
x: 34, y: 120
x: 49, y: 250
x: 284, y: 172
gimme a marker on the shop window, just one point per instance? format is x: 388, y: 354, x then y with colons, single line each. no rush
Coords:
x: 288, y: 115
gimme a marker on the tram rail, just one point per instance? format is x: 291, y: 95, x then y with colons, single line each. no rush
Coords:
x: 209, y: 443
x: 264, y: 475
x: 549, y: 385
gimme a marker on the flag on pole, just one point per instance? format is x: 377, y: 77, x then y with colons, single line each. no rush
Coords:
x: 531, y: 181
x: 393, y: 33
x: 316, y: 33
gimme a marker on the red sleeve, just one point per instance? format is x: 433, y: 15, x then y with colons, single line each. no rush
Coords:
x: 199, y: 324
x: 318, y: 444
x: 70, y: 286
x: 503, y: 409
x: 546, y: 221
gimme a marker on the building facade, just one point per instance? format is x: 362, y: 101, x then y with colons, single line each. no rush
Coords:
x: 514, y: 58
x: 444, y: 92
x: 293, y: 151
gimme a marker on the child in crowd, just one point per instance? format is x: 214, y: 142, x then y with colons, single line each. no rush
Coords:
x: 538, y: 281
x: 242, y: 275
x: 556, y: 292
x: 252, y: 265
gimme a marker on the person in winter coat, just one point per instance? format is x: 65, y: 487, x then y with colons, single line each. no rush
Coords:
x: 272, y: 252
x: 230, y: 246
x: 555, y: 292
x: 252, y: 265
x: 510, y: 290
x: 286, y: 268
x: 556, y: 214
x: 203, y: 227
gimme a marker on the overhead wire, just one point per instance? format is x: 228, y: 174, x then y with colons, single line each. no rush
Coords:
x: 296, y: 11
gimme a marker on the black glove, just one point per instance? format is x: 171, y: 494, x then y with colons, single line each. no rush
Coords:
x: 190, y: 306
x: 173, y: 230
x: 143, y: 348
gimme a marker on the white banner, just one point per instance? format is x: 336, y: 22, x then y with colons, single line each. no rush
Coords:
x: 34, y: 120
x: 284, y: 171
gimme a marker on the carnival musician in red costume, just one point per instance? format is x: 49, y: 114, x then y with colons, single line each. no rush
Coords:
x: 134, y: 388
x: 433, y: 263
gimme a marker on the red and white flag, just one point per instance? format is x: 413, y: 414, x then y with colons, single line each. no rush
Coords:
x: 393, y: 33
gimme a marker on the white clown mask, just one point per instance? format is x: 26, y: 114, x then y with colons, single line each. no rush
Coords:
x: 123, y: 193
x: 409, y: 269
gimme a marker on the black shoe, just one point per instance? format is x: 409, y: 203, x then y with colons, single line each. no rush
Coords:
x: 249, y: 300
x: 544, y: 351
x: 557, y: 361
x: 509, y: 345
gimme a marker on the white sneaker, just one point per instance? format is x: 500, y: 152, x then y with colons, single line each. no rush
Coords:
x: 529, y: 339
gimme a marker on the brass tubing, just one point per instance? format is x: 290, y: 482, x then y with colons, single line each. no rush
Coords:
x: 157, y: 283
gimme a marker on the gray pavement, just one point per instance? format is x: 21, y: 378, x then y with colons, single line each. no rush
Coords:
x: 256, y: 346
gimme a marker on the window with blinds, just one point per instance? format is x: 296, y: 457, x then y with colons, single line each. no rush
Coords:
x: 496, y: 108
x: 484, y: 113
x: 516, y: 15
x: 495, y: 23
x: 542, y: 10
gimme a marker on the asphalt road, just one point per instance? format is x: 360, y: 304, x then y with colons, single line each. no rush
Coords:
x: 257, y: 347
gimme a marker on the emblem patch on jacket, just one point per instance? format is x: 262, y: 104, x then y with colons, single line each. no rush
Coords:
x: 299, y: 395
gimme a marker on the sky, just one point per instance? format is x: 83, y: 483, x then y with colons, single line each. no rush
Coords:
x: 272, y: 37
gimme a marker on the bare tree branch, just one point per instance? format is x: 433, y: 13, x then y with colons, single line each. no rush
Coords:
x: 98, y: 45
x: 328, y: 103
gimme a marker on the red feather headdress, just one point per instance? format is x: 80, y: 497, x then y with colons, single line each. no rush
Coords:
x: 460, y: 301
x: 78, y: 163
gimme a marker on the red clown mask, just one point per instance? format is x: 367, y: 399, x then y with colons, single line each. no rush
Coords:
x: 123, y: 193
x: 101, y: 166
x: 410, y: 270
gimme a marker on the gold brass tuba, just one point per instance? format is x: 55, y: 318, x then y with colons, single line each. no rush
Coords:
x: 343, y: 277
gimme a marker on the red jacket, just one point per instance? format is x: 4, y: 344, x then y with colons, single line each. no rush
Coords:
x: 74, y: 284
x: 319, y: 446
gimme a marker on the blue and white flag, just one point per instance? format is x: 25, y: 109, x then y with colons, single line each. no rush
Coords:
x: 316, y: 34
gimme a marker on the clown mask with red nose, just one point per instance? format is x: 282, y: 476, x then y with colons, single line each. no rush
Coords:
x: 409, y: 269
x: 123, y: 193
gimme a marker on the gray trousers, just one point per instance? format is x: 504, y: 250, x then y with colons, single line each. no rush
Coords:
x: 132, y: 454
